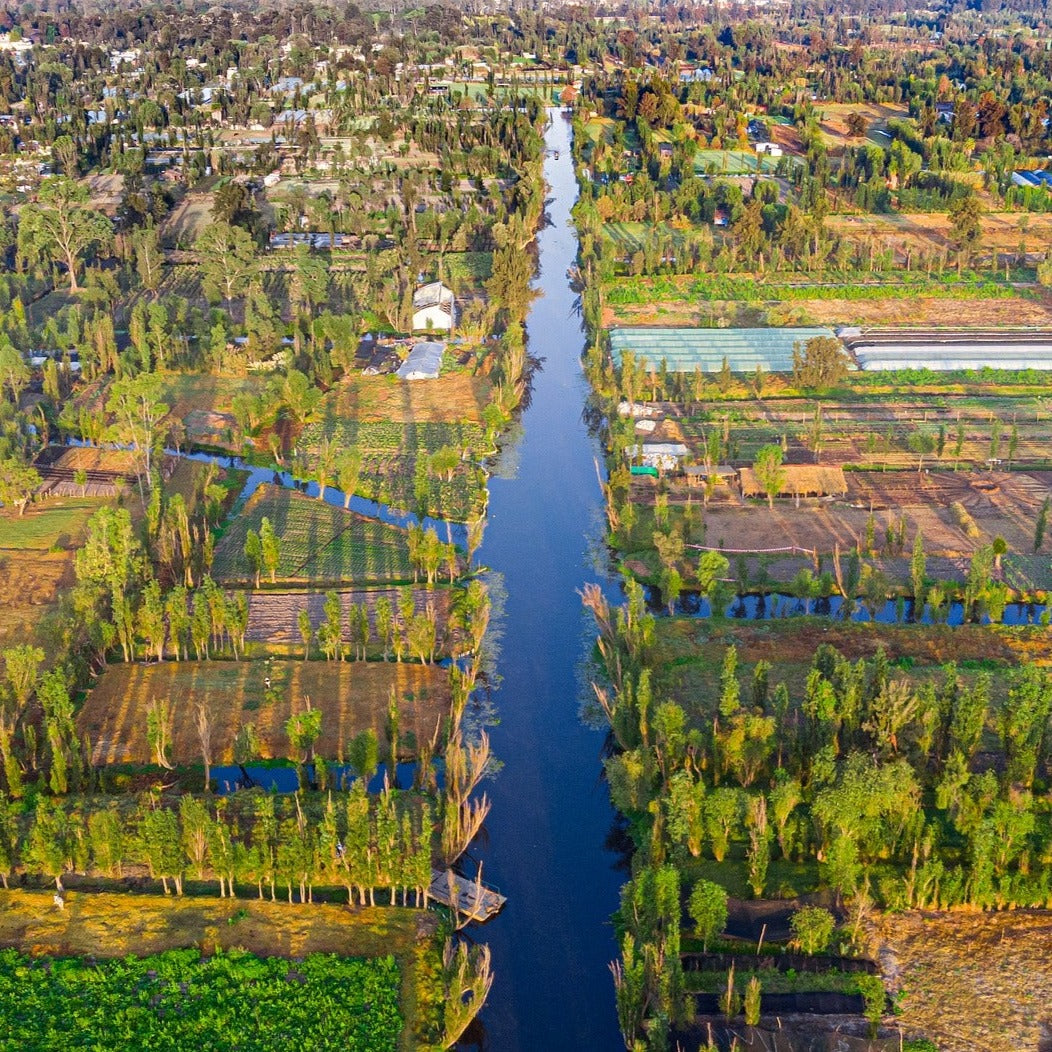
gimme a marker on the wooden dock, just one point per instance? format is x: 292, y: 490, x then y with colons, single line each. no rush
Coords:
x: 471, y: 899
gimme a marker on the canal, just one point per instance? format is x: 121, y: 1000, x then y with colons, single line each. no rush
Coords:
x: 545, y: 842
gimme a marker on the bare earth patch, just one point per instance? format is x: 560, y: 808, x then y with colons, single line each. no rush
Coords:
x: 971, y: 982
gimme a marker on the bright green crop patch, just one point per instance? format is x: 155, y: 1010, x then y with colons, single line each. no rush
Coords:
x: 179, y: 1000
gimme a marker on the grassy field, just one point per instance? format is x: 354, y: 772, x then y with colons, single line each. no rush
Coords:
x: 101, y: 924
x: 318, y: 542
x: 352, y: 696
x: 930, y: 231
x: 36, y: 561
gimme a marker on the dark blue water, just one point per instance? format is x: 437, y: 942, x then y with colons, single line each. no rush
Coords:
x: 551, y: 814
x: 777, y: 605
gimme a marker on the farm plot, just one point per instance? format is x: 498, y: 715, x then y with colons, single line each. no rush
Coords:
x: 317, y: 542
x: 455, y: 399
x: 36, y: 561
x: 188, y: 219
x: 999, y: 504
x: 273, y: 617
x: 352, y: 696
x: 633, y: 237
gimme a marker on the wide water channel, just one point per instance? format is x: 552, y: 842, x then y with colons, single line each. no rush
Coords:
x: 545, y: 839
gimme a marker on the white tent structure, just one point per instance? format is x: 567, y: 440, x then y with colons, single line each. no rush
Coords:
x: 424, y: 362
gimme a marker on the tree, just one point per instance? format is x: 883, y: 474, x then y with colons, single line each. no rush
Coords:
x: 708, y: 910
x: 270, y: 548
x: 226, y: 257
x: 921, y: 443
x: 254, y: 553
x: 135, y: 402
x: 812, y: 929
x: 823, y: 361
x: 966, y: 229
x: 14, y: 373
x: 348, y: 470
x: 149, y: 260
x: 857, y: 124
x: 769, y: 471
x: 1041, y: 524
x: 18, y: 483
x: 918, y: 565
x: 60, y: 228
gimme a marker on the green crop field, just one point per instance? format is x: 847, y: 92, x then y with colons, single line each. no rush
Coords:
x: 317, y: 542
x: 57, y: 523
x: 181, y: 999
x: 733, y: 162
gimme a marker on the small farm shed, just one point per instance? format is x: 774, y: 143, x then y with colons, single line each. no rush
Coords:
x: 800, y: 480
x: 684, y: 350
x: 945, y: 350
x: 665, y: 456
x: 424, y: 362
x: 720, y: 474
x: 434, y: 307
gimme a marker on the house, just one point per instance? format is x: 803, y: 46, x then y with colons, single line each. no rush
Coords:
x: 772, y: 149
x: 944, y: 112
x: 434, y: 308
x: 665, y: 150
x: 424, y: 362
x: 666, y: 456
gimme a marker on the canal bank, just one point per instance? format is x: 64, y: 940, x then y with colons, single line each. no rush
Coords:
x: 545, y: 841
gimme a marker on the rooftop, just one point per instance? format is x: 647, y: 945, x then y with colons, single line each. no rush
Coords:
x: 684, y: 350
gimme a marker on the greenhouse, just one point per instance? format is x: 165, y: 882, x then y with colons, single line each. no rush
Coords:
x: 684, y: 350
x: 949, y: 350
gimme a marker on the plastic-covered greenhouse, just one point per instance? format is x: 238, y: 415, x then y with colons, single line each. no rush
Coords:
x: 949, y: 350
x: 684, y: 350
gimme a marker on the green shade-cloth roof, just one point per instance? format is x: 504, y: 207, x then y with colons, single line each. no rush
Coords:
x: 683, y: 350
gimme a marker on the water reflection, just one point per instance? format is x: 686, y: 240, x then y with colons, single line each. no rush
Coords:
x: 773, y: 606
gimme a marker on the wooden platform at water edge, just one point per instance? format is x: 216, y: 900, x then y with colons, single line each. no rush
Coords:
x: 470, y: 898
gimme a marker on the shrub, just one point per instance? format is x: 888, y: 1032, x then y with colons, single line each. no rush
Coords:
x: 812, y: 929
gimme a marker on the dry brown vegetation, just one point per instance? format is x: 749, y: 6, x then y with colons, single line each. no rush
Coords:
x: 1001, y: 231
x: 455, y: 398
x: 833, y: 119
x: 352, y: 696
x: 973, y: 983
x: 106, y: 924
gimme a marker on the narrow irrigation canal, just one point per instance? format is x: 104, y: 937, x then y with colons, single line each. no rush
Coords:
x: 545, y: 845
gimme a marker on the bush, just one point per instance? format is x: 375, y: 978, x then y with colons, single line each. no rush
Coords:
x: 812, y: 929
x: 962, y: 518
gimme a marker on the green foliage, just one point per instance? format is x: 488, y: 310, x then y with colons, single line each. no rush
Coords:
x: 708, y: 910
x: 812, y: 928
x: 180, y: 999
